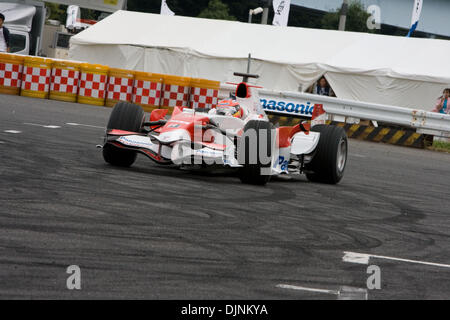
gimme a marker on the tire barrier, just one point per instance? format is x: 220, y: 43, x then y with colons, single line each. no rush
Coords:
x: 36, y: 77
x: 147, y: 90
x: 284, y: 120
x: 204, y: 93
x: 175, y: 92
x: 93, y: 81
x: 11, y: 67
x: 64, y: 81
x: 389, y: 134
x: 120, y: 86
x: 99, y: 85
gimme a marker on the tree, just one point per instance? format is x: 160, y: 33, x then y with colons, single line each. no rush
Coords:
x: 356, y: 18
x: 239, y: 9
x: 57, y: 12
x: 193, y: 8
x: 151, y: 6
x: 217, y: 10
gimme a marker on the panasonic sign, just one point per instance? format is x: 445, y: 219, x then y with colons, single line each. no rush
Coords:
x: 288, y: 107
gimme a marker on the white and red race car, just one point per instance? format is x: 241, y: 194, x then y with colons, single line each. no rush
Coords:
x: 236, y: 134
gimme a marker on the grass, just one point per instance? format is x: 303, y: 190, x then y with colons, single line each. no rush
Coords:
x: 440, y: 146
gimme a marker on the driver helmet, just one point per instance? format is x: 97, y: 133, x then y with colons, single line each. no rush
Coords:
x: 229, y: 108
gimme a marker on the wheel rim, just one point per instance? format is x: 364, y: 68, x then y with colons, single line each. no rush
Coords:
x: 341, y: 158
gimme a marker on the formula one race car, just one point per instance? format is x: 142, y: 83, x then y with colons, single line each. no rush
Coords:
x: 235, y: 134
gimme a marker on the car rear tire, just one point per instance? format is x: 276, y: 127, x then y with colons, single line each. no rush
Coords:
x: 128, y: 117
x: 251, y: 172
x: 329, y: 162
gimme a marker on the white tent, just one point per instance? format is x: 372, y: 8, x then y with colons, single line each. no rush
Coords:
x: 399, y: 71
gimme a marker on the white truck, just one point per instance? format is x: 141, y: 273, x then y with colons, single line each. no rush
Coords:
x: 25, y: 21
x: 29, y: 33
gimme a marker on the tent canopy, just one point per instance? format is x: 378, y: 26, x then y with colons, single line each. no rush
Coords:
x: 401, y: 71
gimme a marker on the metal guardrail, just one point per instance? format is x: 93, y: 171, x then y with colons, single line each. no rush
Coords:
x: 300, y: 104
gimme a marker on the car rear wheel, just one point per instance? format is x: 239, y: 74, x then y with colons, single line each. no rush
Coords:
x: 330, y: 159
x: 128, y: 117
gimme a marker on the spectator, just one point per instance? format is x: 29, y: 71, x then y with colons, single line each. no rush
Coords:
x: 4, y: 35
x: 443, y: 103
x: 322, y: 88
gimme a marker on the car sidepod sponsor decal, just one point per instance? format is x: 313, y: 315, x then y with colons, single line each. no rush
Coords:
x: 287, y: 107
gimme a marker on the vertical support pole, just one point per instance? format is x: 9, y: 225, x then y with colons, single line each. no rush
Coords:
x: 343, y: 18
x: 265, y: 16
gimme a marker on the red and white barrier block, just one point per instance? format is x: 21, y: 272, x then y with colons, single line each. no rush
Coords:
x: 64, y: 81
x: 147, y: 90
x: 176, y: 91
x: 10, y: 77
x: 36, y: 77
x: 93, y: 82
x: 120, y: 86
x: 204, y: 98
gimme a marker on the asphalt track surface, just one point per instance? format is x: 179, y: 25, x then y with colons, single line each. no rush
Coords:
x: 161, y: 233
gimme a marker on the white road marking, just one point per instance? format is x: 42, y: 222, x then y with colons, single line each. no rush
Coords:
x: 42, y: 125
x: 12, y: 131
x: 84, y: 125
x: 358, y: 156
x: 363, y: 258
x: 352, y: 257
x: 287, y: 286
x: 344, y: 292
